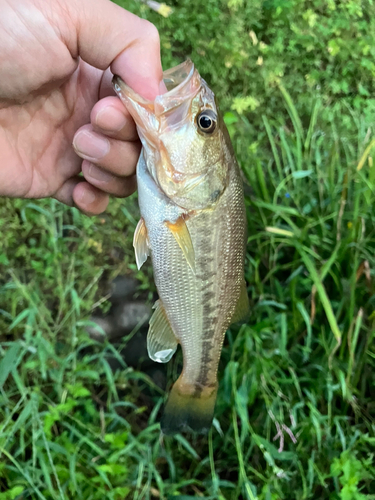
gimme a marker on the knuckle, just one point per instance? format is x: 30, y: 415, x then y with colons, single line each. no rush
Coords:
x: 151, y: 32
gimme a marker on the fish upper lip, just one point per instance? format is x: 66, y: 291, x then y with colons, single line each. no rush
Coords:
x: 185, y: 89
x: 170, y: 72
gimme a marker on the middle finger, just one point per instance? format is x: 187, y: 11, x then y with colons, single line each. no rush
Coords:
x: 116, y: 156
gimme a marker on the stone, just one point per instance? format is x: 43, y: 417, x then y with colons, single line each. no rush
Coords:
x: 123, y: 288
x: 130, y: 315
x: 105, y: 330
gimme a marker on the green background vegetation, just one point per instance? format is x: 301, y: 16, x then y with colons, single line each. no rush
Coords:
x: 295, y: 411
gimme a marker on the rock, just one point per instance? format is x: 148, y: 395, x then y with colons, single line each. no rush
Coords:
x: 105, y: 329
x: 128, y: 316
x: 122, y: 288
x: 121, y: 320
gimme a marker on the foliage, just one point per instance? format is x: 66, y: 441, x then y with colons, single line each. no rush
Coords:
x: 295, y: 411
x: 245, y: 48
x: 351, y: 472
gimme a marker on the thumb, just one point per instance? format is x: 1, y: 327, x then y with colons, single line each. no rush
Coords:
x: 107, y: 35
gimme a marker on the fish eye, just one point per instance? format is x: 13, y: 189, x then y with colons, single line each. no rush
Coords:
x: 206, y: 121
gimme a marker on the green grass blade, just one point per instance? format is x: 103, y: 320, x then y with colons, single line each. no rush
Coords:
x: 9, y: 361
x: 276, y: 156
x: 322, y: 293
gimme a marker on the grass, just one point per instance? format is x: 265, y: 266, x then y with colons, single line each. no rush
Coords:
x: 295, y: 411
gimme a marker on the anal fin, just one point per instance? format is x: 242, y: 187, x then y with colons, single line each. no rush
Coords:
x: 181, y: 234
x: 161, y: 341
x: 140, y: 243
x: 242, y: 308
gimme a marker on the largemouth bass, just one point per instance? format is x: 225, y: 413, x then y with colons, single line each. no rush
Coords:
x: 193, y: 224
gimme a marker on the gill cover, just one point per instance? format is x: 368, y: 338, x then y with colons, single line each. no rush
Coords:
x: 181, y: 137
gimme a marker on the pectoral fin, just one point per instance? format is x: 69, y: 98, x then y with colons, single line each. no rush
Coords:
x: 140, y: 243
x: 161, y: 341
x: 242, y: 308
x: 181, y: 234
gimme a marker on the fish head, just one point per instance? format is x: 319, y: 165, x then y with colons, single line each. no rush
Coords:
x: 183, y: 139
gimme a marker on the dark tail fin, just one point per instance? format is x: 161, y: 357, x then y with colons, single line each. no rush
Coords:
x: 188, y: 410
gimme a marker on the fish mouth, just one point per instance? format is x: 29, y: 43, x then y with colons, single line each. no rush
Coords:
x: 182, y: 82
x: 176, y: 78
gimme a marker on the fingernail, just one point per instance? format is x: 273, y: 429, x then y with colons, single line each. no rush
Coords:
x: 99, y: 174
x: 90, y: 145
x: 87, y: 197
x: 110, y: 118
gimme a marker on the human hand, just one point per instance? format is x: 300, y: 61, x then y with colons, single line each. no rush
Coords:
x: 55, y: 87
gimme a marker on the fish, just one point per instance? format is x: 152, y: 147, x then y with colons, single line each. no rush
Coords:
x: 193, y: 225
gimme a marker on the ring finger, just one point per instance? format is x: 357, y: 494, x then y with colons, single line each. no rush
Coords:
x: 110, y: 183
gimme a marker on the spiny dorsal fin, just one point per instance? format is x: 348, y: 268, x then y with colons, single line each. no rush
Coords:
x: 140, y: 243
x: 181, y: 234
x: 242, y: 308
x: 161, y: 341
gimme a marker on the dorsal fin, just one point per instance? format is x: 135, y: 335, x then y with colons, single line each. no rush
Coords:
x: 181, y: 234
x: 161, y: 341
x: 140, y: 243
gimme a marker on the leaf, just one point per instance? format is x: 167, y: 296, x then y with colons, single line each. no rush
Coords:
x: 322, y: 294
x: 113, y: 469
x: 301, y: 174
x: 4, y: 259
x: 15, y: 492
x: 275, y: 153
x: 78, y: 391
x: 20, y: 318
x: 242, y: 104
x: 278, y: 230
x: 8, y: 363
x: 306, y: 319
x: 365, y: 155
x: 117, y: 441
x: 187, y: 446
x: 230, y: 118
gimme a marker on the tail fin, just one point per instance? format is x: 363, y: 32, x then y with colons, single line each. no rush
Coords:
x: 188, y: 410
